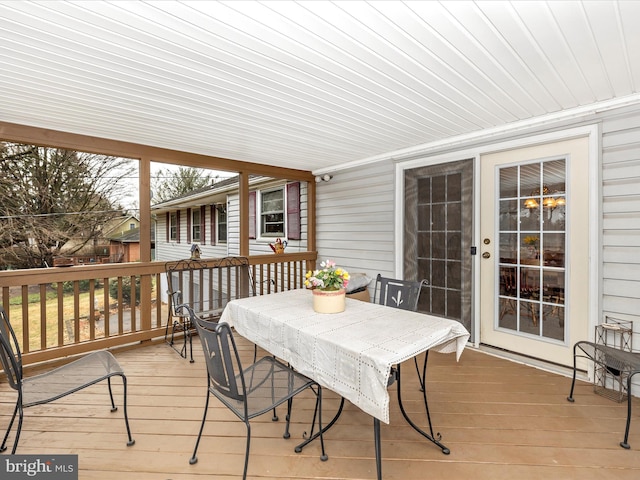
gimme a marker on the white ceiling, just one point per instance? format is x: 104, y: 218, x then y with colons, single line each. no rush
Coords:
x: 310, y: 84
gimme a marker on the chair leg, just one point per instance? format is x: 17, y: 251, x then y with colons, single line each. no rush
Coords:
x: 625, y: 442
x: 573, y: 381
x: 191, y: 360
x: 18, y: 430
x: 421, y: 376
x: 126, y: 415
x: 246, y: 453
x: 288, y: 418
x: 113, y: 404
x: 194, y: 458
x: 166, y: 328
x: 6, y: 435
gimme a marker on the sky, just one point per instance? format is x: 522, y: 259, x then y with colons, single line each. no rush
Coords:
x: 130, y: 201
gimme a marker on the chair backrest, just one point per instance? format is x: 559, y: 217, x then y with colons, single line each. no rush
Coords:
x: 10, y: 355
x: 402, y: 294
x: 207, y: 284
x: 223, y: 360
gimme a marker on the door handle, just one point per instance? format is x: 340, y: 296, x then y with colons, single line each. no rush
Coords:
x: 486, y: 255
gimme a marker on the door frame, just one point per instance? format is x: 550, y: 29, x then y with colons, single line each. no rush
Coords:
x: 592, y: 132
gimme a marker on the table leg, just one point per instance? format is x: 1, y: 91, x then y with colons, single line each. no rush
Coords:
x: 432, y: 438
x: 313, y: 436
x: 378, y: 446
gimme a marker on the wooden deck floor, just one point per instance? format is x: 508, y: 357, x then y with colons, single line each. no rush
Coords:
x: 501, y: 420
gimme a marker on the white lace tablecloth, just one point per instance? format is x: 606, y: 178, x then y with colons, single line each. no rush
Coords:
x: 350, y: 352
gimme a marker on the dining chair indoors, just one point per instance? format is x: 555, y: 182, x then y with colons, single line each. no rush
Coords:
x: 251, y: 391
x: 55, y: 384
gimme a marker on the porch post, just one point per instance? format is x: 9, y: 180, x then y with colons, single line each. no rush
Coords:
x: 243, y: 193
x: 311, y: 220
x: 144, y: 201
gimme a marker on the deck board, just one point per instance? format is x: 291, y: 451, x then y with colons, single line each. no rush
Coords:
x: 501, y: 420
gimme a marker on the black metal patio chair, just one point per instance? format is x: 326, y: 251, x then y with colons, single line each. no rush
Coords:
x: 622, y: 365
x: 403, y: 294
x: 206, y: 286
x: 55, y: 384
x: 250, y: 391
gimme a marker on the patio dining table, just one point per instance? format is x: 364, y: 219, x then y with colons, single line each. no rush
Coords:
x: 352, y: 352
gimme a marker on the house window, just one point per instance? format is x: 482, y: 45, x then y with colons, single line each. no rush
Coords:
x: 132, y: 226
x: 173, y: 226
x: 195, y: 225
x: 222, y: 223
x: 272, y: 213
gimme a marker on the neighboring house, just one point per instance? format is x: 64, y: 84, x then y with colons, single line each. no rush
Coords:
x: 120, y: 225
x: 125, y: 247
x: 209, y: 218
x: 100, y: 251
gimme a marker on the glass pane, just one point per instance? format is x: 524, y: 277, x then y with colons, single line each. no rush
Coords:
x: 438, y: 274
x: 553, y: 248
x: 554, y: 174
x: 508, y: 248
x: 555, y: 213
x: 453, y: 246
x: 424, y: 246
x: 530, y: 215
x: 530, y: 283
x: 509, y: 215
x: 454, y: 187
x: 454, y: 274
x: 438, y: 301
x: 530, y: 250
x: 438, y: 245
x: 439, y: 220
x: 553, y: 322
x: 454, y: 304
x: 454, y: 216
x: 424, y: 217
x: 508, y: 314
x: 509, y: 182
x: 424, y: 190
x: 529, y: 318
x: 439, y: 189
x: 530, y: 180
x: 508, y: 282
x: 273, y: 201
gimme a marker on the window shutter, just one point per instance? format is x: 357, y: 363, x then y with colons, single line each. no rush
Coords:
x: 213, y: 225
x: 203, y: 236
x: 252, y: 214
x: 293, y: 211
x: 168, y: 226
x: 178, y: 226
x: 188, y: 225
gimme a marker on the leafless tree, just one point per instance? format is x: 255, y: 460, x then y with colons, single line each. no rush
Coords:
x: 50, y: 196
x: 168, y: 184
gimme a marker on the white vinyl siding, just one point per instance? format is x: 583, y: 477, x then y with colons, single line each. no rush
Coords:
x: 355, y: 219
x: 621, y: 218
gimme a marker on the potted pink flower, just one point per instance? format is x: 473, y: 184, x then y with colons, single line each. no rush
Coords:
x: 328, y: 284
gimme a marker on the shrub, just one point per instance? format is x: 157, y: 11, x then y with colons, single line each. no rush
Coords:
x: 67, y: 287
x: 126, y: 290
